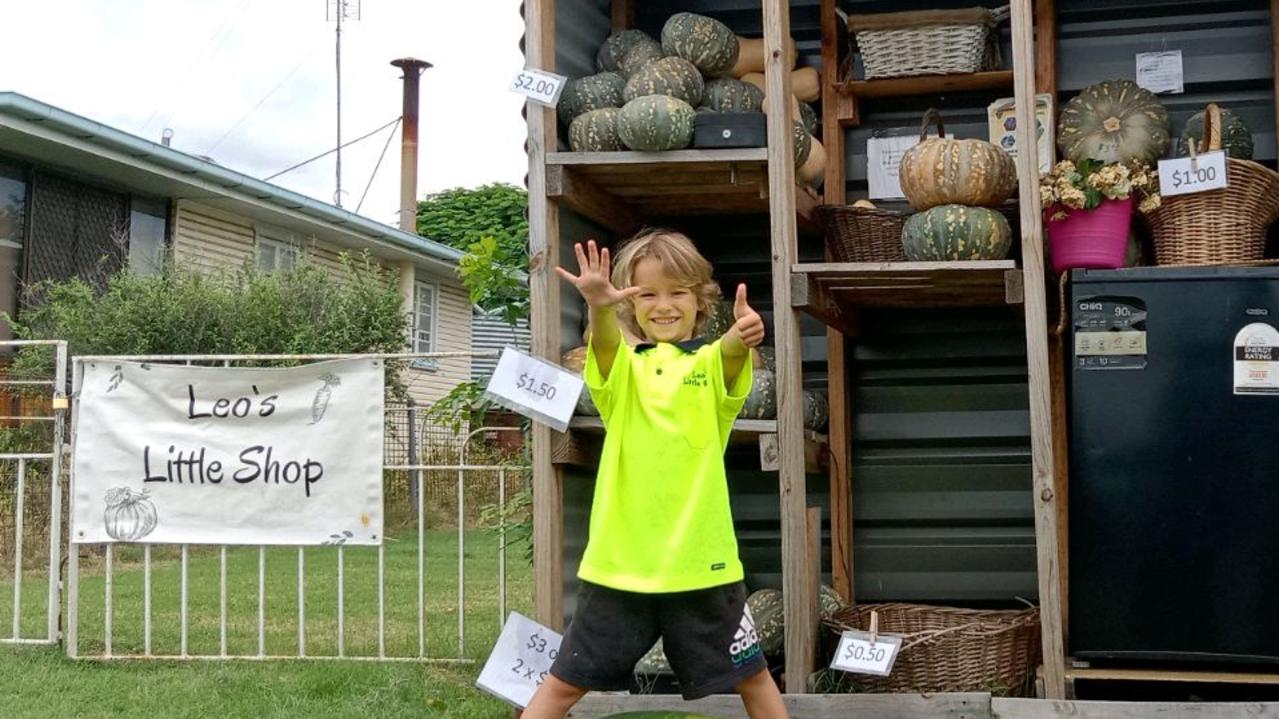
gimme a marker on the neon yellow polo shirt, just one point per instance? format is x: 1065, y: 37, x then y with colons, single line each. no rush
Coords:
x: 661, y: 520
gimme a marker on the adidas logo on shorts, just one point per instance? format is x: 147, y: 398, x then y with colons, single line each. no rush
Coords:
x: 745, y: 641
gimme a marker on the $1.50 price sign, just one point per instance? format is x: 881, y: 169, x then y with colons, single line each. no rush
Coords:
x: 1182, y: 177
x: 541, y: 87
x: 858, y: 654
x: 535, y: 388
x: 520, y: 660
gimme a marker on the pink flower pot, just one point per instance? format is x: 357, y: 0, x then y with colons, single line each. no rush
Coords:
x: 1094, y: 239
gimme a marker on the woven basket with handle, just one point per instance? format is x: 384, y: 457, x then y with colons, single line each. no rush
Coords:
x: 1218, y: 227
x: 929, y: 42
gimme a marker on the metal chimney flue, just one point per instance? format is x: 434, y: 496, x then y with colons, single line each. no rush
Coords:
x: 412, y: 69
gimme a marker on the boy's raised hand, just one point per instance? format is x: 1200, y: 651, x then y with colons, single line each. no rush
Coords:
x: 594, y: 282
x: 749, y: 326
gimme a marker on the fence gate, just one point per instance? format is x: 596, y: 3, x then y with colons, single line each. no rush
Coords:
x: 434, y: 590
x: 33, y: 406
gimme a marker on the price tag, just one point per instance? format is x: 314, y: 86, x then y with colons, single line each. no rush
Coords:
x: 858, y: 654
x: 1160, y: 71
x: 541, y: 87
x: 520, y: 660
x: 1183, y: 177
x: 536, y: 389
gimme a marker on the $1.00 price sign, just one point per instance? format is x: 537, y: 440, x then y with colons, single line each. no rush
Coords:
x: 520, y: 660
x: 858, y: 654
x: 535, y: 388
x: 541, y: 87
x: 1182, y: 177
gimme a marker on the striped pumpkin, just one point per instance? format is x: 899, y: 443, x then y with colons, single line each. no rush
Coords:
x: 730, y: 95
x: 609, y: 57
x: 669, y: 76
x: 644, y: 51
x: 595, y: 131
x: 1113, y: 121
x: 655, y: 123
x: 592, y: 92
x: 956, y: 232
x: 706, y: 42
x: 941, y: 171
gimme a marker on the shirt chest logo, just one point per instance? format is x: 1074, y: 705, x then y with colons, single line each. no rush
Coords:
x: 696, y: 378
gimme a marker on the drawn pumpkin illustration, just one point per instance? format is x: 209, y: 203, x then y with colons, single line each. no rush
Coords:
x: 129, y: 516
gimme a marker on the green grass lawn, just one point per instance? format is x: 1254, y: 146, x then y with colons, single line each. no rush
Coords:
x: 41, y: 682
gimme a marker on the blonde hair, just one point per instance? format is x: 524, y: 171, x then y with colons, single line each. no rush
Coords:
x: 679, y: 259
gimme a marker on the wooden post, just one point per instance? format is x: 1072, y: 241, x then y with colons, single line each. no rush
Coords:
x: 1041, y: 419
x: 544, y: 319
x: 837, y: 386
x: 1274, y: 53
x: 800, y: 603
x: 1046, y: 47
x: 623, y: 14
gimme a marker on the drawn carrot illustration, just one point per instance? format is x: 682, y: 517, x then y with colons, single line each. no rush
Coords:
x: 321, y: 402
x: 117, y: 376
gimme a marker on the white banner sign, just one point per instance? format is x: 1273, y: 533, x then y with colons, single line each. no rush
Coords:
x: 170, y: 454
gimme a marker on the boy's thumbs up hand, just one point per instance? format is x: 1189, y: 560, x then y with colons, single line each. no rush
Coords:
x: 749, y: 328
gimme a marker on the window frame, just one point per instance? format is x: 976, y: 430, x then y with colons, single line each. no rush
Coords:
x: 282, y: 242
x: 433, y: 330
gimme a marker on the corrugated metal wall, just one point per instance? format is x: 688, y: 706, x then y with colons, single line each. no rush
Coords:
x: 942, y: 465
x: 493, y: 332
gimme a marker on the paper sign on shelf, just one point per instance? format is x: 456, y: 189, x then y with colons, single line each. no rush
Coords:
x: 520, y: 660
x: 858, y: 654
x: 541, y: 87
x: 1161, y: 72
x: 534, y: 388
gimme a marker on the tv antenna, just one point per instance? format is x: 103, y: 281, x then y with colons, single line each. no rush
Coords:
x: 339, y: 10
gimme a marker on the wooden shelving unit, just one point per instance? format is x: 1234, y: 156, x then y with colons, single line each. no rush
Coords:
x: 580, y: 446
x: 850, y: 93
x: 618, y: 189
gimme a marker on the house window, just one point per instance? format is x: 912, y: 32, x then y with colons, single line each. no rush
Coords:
x: 425, y: 312
x: 13, y: 214
x: 277, y: 249
x: 147, y: 222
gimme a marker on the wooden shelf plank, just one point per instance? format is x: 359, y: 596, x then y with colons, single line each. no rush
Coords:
x: 1169, y: 675
x: 850, y: 93
x: 830, y: 290
x: 673, y: 157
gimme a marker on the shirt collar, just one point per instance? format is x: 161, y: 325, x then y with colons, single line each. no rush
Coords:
x: 689, y: 346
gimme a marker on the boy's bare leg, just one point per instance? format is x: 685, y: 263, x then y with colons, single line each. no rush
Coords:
x: 553, y: 699
x: 761, y: 697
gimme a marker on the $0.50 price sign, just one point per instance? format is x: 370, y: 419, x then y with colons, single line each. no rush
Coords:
x: 1183, y: 177
x: 520, y: 661
x: 858, y: 654
x: 541, y: 87
x: 535, y: 388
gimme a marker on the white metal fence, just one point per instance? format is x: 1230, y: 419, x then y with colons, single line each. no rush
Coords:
x: 362, y: 603
x: 28, y: 475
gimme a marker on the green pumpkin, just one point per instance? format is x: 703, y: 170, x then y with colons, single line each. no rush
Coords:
x: 593, y: 92
x: 614, y: 49
x: 761, y: 403
x: 770, y: 620
x: 1236, y: 138
x: 767, y: 358
x: 731, y: 95
x: 803, y: 143
x: 816, y: 410
x: 706, y: 42
x: 656, y: 123
x: 654, y: 661
x: 808, y: 116
x: 643, y: 52
x: 718, y: 320
x: 956, y: 232
x: 671, y: 76
x: 1113, y: 121
x: 595, y: 131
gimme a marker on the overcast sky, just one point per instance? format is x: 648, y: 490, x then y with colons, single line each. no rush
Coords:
x: 251, y: 83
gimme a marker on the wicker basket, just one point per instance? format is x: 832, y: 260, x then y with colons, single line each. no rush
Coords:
x: 929, y: 42
x: 863, y: 234
x: 947, y: 649
x: 1220, y: 227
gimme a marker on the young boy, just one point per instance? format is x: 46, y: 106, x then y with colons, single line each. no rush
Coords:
x: 662, y: 559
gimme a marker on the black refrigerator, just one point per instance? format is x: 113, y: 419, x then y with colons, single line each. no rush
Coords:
x: 1174, y: 465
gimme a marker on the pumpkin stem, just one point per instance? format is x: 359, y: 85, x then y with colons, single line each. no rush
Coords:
x: 1112, y: 124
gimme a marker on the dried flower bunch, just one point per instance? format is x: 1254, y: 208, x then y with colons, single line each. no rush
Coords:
x: 1084, y: 186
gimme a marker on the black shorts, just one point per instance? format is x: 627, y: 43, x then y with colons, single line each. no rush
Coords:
x: 708, y: 635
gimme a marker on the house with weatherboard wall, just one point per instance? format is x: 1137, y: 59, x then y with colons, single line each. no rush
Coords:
x: 79, y: 198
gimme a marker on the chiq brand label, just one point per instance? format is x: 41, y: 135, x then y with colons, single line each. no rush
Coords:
x: 1256, y: 360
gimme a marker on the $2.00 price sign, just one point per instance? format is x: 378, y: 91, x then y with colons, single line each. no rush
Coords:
x: 520, y: 660
x: 541, y: 87
x: 1182, y: 177
x: 858, y: 654
x: 535, y: 388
